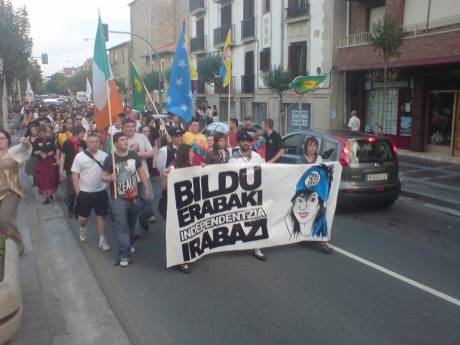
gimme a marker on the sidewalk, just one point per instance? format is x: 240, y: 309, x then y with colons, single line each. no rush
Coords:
x: 430, y: 179
x: 63, y: 303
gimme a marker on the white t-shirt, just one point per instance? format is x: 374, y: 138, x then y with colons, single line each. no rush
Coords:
x: 354, y: 124
x: 90, y: 172
x: 255, y: 159
x: 143, y: 145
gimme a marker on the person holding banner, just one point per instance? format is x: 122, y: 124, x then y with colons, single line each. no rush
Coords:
x: 184, y: 159
x: 310, y: 152
x: 245, y: 155
x: 311, y: 156
x: 124, y: 201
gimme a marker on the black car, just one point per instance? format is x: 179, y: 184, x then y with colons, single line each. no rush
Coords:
x: 370, y: 168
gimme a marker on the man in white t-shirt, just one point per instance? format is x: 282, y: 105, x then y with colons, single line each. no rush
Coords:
x: 139, y: 143
x: 245, y: 155
x: 355, y: 123
x: 90, y: 190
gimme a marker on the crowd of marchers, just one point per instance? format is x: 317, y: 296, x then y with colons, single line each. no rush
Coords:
x: 110, y: 171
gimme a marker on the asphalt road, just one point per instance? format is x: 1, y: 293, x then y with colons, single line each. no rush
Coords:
x: 299, y: 295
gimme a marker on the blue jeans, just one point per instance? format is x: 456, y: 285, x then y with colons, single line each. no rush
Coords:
x: 124, y: 214
x: 146, y: 207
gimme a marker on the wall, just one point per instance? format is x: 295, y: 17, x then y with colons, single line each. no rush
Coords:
x: 429, y: 49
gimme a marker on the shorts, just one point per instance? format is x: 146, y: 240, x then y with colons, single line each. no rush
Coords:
x: 87, y: 201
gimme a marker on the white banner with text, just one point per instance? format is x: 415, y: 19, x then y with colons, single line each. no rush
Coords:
x: 239, y: 207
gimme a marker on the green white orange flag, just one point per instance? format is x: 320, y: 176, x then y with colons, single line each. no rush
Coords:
x: 105, y: 98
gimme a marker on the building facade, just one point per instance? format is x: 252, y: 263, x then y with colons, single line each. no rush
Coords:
x: 298, y: 35
x: 119, y: 61
x: 422, y: 111
x: 160, y: 23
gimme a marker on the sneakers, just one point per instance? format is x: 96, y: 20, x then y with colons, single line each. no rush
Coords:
x: 103, y: 244
x: 124, y: 263
x: 185, y: 268
x: 152, y: 219
x: 325, y: 248
x: 82, y: 234
x: 132, y: 249
x: 259, y: 255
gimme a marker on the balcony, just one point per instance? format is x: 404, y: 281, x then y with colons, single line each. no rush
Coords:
x: 220, y: 34
x: 197, y: 7
x: 248, y: 29
x: 247, y: 83
x: 300, y: 11
x: 198, y: 45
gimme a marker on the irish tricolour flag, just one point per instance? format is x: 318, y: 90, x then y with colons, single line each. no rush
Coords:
x: 105, y: 94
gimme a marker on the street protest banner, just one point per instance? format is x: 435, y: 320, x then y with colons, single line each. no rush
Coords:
x: 239, y: 207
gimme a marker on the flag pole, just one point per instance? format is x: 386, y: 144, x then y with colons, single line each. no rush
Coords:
x: 115, y: 194
x: 151, y: 100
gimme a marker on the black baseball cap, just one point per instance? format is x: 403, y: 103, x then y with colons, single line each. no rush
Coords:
x: 243, y: 136
x: 176, y: 132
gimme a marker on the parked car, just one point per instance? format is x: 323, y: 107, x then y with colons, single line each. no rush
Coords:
x: 222, y: 127
x: 370, y: 168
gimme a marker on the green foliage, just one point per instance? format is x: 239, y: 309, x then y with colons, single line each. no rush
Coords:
x: 58, y: 83
x: 278, y: 81
x: 208, y: 68
x: 387, y: 37
x: 151, y: 79
x: 15, y: 41
x: 122, y: 89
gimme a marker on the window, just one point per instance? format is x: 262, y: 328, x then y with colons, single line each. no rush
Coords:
x: 260, y: 110
x: 297, y: 59
x: 226, y: 16
x: 266, y: 6
x: 299, y: 119
x: 162, y: 65
x: 248, y: 9
x: 293, y: 143
x: 200, y: 27
x: 265, y: 57
x: 375, y: 108
x: 122, y: 56
x: 329, y: 150
x: 114, y: 57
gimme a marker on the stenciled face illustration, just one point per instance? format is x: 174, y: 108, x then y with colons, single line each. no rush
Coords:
x: 305, y: 209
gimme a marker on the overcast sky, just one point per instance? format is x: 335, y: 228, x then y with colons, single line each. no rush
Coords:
x: 58, y: 27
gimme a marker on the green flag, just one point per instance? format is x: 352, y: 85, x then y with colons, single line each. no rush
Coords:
x: 137, y: 89
x: 302, y: 85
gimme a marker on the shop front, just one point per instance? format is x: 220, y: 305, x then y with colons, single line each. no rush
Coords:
x: 443, y: 122
x: 390, y: 113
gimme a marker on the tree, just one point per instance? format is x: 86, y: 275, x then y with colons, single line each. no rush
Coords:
x: 278, y: 82
x: 57, y: 83
x: 151, y: 79
x: 386, y: 37
x: 208, y: 68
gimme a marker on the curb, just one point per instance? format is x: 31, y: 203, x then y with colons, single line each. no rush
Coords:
x: 429, y: 156
x: 434, y: 203
x: 10, y: 294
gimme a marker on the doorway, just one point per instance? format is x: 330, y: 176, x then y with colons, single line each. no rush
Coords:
x: 441, y: 120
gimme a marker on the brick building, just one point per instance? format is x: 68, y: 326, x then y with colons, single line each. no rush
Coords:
x: 423, y: 101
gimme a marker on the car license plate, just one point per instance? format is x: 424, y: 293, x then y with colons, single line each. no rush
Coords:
x: 377, y: 177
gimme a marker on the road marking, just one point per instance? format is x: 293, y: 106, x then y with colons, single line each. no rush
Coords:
x: 398, y: 276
